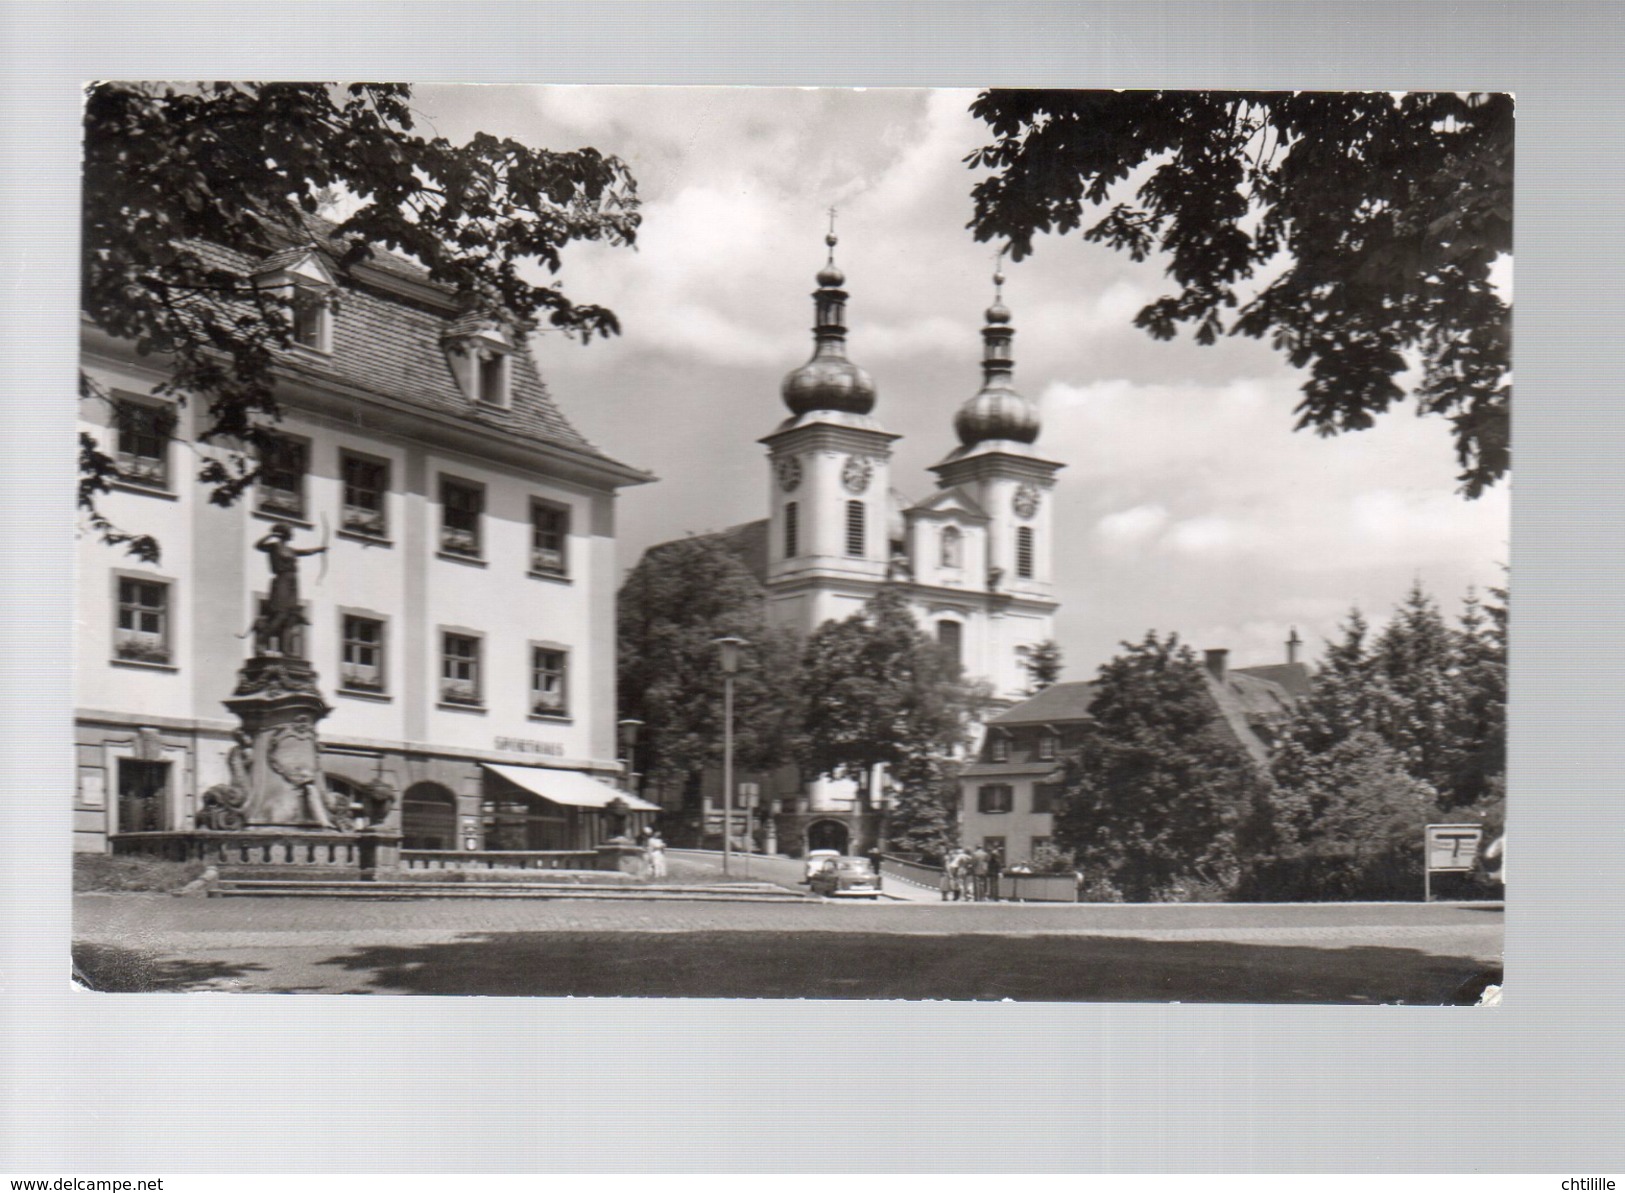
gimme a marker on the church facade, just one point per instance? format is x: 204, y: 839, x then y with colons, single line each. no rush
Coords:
x: 973, y: 558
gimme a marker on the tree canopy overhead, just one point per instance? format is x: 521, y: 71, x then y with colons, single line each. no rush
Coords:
x: 1366, y: 223
x: 170, y: 169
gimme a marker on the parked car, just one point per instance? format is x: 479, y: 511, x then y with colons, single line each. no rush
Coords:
x: 846, y: 877
x: 815, y: 861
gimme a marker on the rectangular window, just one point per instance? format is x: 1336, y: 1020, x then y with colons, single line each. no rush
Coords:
x: 549, y: 535
x: 142, y: 632
x: 998, y: 748
x: 950, y: 637
x: 1024, y: 552
x: 461, y: 505
x: 855, y: 529
x: 460, y: 669
x: 310, y: 314
x: 994, y: 845
x: 994, y: 797
x: 283, y: 464
x: 792, y: 529
x: 361, y: 666
x: 1044, y: 796
x: 366, y: 485
x: 547, y: 682
x: 144, y: 431
x: 493, y: 378
x: 1039, y: 843
x: 1046, y: 747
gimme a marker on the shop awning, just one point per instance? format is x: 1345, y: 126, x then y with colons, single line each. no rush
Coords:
x: 568, y: 787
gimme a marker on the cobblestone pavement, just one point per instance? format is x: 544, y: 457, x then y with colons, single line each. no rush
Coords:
x: 1342, y: 953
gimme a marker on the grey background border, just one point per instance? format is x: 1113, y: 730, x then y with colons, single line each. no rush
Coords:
x: 140, y: 1085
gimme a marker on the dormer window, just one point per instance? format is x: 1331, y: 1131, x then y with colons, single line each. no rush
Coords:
x: 312, y: 320
x: 493, y: 368
x: 999, y: 748
x: 480, y: 352
x: 302, y: 279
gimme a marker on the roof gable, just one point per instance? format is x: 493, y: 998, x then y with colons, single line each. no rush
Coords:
x: 947, y: 502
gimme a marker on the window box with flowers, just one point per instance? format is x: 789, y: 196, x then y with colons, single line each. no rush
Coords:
x: 356, y: 681
x: 141, y: 650
x: 458, y: 692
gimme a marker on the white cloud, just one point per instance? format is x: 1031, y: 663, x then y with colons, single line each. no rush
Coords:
x: 1130, y: 527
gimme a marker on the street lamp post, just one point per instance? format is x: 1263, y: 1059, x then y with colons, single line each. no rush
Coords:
x: 629, y: 727
x: 730, y: 664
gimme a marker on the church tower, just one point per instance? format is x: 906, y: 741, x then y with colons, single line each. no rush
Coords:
x: 829, y: 477
x: 997, y: 470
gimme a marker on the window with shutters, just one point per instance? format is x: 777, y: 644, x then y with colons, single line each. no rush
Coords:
x: 1024, y: 552
x: 855, y: 529
x: 994, y: 797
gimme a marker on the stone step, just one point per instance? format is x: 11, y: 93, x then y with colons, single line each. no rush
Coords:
x: 269, y: 888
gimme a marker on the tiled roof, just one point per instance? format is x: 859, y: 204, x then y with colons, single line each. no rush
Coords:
x: 1058, y: 702
x: 393, y: 348
x: 1294, y: 677
x: 977, y: 770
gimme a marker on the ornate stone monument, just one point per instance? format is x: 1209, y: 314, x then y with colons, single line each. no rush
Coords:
x: 276, y: 784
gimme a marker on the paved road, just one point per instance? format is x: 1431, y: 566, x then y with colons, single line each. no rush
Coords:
x: 1369, y: 953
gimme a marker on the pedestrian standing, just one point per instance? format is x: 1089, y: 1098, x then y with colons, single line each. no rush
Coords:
x: 995, y: 867
x: 657, y: 856
x: 979, y: 861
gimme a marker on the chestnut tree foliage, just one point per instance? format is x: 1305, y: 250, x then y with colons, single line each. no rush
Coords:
x: 169, y: 169
x: 674, y: 605
x: 1152, y: 800
x: 1355, y: 231
x: 879, y: 690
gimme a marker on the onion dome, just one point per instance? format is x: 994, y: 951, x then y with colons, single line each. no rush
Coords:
x: 997, y: 411
x: 829, y: 381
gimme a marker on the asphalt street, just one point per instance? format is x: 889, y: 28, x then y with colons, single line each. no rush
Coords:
x: 1359, y: 953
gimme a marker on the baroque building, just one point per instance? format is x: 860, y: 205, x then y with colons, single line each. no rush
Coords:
x: 973, y: 558
x: 461, y: 621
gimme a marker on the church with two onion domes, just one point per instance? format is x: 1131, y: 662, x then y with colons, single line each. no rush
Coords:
x: 974, y: 558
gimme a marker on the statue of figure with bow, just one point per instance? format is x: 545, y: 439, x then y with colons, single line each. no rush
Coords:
x: 276, y: 629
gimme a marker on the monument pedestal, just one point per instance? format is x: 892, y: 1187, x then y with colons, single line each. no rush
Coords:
x: 276, y: 765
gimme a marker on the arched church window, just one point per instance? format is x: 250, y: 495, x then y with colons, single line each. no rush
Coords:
x: 952, y: 547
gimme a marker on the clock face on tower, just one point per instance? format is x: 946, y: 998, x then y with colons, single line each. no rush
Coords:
x: 856, y: 472
x: 1025, y: 502
x: 789, y: 473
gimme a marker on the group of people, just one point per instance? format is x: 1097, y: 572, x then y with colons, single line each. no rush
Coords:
x: 972, y: 875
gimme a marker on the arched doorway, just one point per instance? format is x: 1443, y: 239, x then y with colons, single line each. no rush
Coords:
x: 428, y: 817
x: 828, y: 834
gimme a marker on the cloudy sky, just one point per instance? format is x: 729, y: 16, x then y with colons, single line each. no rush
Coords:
x: 1188, y: 504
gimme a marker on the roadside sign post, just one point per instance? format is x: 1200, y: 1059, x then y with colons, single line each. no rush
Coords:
x: 1448, y: 849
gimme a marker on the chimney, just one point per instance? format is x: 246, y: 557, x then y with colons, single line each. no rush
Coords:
x: 1216, y: 662
x: 1292, y: 644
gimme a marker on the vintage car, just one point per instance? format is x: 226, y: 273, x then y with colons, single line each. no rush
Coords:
x: 846, y: 878
x: 815, y: 861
